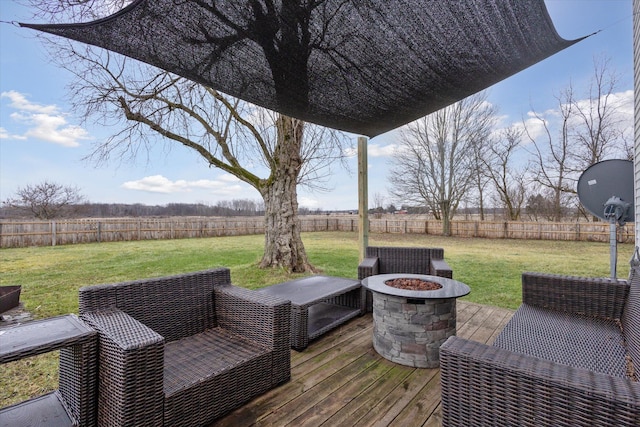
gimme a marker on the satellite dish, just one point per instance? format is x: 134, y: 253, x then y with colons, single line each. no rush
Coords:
x: 606, y: 190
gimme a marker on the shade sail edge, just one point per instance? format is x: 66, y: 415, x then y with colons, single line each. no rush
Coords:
x: 337, y: 81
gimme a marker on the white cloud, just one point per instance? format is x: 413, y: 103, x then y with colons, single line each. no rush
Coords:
x: 620, y: 103
x: 350, y: 152
x: 20, y: 102
x: 45, y: 122
x: 535, y: 127
x: 308, y: 202
x: 55, y: 129
x: 376, y: 150
x: 161, y: 184
x: 4, y: 134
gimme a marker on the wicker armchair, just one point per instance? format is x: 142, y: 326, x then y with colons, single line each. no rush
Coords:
x: 184, y: 350
x: 565, y: 358
x: 389, y: 260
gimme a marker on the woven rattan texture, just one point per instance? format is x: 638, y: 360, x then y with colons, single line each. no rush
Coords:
x: 390, y: 260
x: 549, y: 366
x: 130, y: 370
x: 188, y: 297
x: 183, y: 350
x: 487, y: 386
x: 233, y: 371
x: 77, y: 381
x: 631, y: 319
x: 261, y: 318
x: 588, y: 343
x: 597, y: 297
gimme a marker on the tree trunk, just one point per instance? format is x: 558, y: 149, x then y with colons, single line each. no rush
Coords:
x: 481, y: 201
x: 283, y: 247
x: 446, y: 218
x: 557, y: 204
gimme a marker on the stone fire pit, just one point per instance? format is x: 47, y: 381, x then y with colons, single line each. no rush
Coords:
x: 410, y: 323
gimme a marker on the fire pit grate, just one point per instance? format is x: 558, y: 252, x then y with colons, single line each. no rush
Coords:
x: 412, y: 284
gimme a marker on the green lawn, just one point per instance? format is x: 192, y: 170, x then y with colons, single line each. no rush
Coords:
x: 51, y: 276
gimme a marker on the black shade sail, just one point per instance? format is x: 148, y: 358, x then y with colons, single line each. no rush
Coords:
x: 363, y: 66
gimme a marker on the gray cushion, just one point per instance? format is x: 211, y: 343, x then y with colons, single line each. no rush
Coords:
x: 588, y: 343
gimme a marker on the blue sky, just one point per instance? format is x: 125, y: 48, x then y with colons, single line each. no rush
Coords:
x: 41, y: 139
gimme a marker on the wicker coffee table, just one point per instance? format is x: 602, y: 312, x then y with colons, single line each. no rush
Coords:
x: 318, y: 304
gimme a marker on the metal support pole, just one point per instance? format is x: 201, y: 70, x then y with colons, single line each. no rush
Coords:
x: 613, y: 242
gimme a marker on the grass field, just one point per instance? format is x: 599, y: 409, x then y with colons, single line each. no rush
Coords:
x: 51, y: 276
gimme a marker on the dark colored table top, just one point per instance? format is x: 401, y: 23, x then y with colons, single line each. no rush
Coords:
x: 450, y: 288
x: 42, y: 411
x: 310, y: 289
x: 41, y: 336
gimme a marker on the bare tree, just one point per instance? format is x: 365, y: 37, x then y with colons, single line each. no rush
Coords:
x: 508, y: 179
x: 271, y: 152
x: 478, y: 195
x: 552, y: 167
x: 47, y: 200
x: 600, y: 130
x: 539, y: 206
x: 434, y: 164
x: 378, y: 205
x: 581, y: 131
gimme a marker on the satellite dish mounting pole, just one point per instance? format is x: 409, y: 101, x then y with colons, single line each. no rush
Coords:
x: 616, y: 211
x: 613, y: 243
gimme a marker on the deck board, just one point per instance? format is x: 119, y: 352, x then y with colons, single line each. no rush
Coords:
x: 340, y: 380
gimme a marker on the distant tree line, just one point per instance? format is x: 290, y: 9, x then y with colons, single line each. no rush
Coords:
x: 236, y: 207
x: 536, y: 207
x: 50, y: 200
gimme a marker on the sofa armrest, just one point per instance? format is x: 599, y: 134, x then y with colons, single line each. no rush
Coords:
x: 482, y: 385
x: 596, y: 297
x: 368, y: 267
x: 259, y: 317
x: 131, y: 363
x: 439, y: 267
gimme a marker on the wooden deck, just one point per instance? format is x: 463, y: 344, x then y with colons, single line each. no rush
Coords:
x: 340, y: 380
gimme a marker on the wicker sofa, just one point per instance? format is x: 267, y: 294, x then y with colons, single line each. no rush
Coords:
x: 565, y: 358
x: 183, y: 350
x: 389, y: 260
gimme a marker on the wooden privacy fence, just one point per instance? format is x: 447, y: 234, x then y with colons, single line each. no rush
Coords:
x: 15, y: 234
x: 579, y: 231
